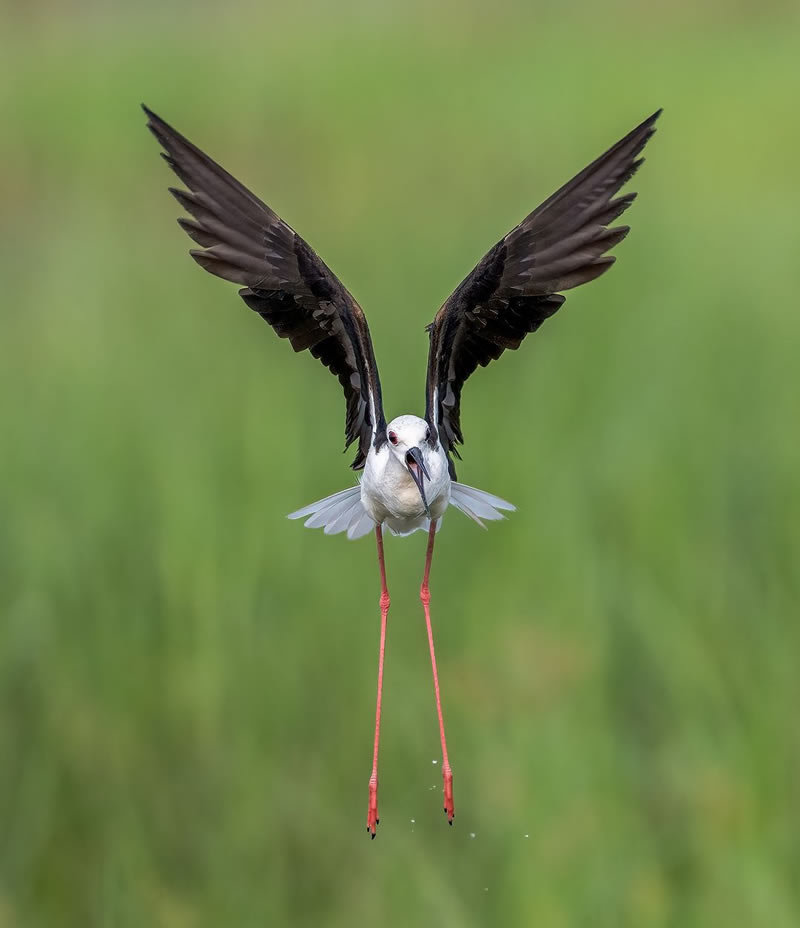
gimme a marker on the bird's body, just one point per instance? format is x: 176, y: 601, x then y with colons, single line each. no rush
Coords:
x: 390, y: 494
x: 391, y: 497
x: 409, y: 477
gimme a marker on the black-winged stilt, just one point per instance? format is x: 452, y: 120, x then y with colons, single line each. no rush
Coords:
x: 409, y: 477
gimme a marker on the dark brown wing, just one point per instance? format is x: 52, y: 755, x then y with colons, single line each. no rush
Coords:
x: 515, y: 287
x: 285, y: 282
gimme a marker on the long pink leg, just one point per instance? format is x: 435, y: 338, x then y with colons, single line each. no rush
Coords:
x: 372, y: 810
x: 425, y: 596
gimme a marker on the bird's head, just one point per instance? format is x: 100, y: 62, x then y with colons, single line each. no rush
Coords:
x: 410, y: 442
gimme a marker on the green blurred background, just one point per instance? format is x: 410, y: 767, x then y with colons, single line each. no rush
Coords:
x: 187, y: 679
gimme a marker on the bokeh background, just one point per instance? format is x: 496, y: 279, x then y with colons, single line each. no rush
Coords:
x: 187, y: 679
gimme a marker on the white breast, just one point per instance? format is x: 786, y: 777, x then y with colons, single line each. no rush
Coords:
x: 391, y: 497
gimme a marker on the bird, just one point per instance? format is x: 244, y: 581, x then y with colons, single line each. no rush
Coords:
x: 408, y: 471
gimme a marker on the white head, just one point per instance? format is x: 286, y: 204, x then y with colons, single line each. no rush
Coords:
x: 406, y: 432
x: 410, y: 443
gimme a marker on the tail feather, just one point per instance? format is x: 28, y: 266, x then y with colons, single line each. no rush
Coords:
x: 322, y: 503
x: 361, y: 527
x: 340, y: 512
x: 331, y: 513
x: 344, y: 517
x: 344, y: 511
x: 478, y: 504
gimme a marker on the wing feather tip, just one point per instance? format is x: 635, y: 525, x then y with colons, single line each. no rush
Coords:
x: 201, y: 174
x: 614, y: 168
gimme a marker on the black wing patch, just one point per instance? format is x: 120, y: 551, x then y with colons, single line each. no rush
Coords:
x: 283, y: 279
x: 516, y: 286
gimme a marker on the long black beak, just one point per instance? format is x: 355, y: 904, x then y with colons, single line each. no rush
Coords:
x: 418, y: 470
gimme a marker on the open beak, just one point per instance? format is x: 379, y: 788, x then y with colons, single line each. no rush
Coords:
x: 418, y: 470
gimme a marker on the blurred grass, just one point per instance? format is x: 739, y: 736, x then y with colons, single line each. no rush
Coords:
x: 187, y: 680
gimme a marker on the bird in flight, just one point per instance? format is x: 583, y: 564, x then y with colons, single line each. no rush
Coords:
x: 409, y: 476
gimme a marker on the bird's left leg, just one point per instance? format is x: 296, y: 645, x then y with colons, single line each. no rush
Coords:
x: 425, y: 597
x: 372, y: 808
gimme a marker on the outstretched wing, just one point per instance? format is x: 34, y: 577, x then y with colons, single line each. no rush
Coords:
x: 284, y: 281
x: 516, y: 286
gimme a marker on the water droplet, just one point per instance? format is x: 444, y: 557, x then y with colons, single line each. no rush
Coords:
x: 527, y: 836
x: 486, y: 889
x: 434, y: 761
x: 472, y: 834
x: 414, y: 822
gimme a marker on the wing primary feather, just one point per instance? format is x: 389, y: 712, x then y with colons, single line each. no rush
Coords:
x: 243, y: 241
x: 517, y: 285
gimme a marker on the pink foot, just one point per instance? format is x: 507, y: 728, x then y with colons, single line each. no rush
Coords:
x: 449, y: 808
x: 372, y: 809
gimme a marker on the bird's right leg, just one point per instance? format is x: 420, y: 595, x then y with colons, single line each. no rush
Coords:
x: 372, y: 809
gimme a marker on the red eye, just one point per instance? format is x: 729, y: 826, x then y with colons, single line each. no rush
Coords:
x: 392, y: 438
